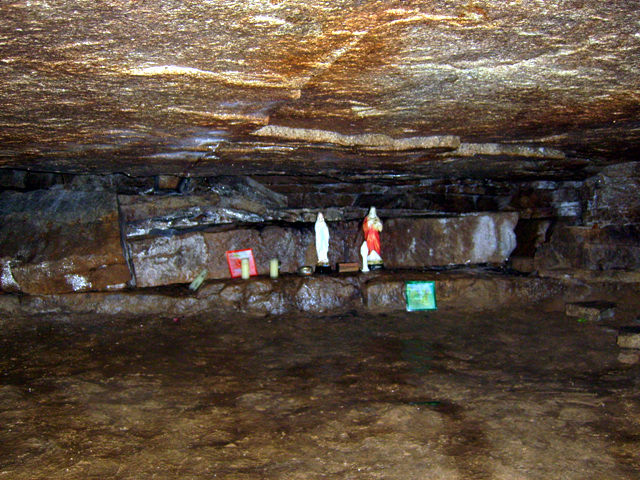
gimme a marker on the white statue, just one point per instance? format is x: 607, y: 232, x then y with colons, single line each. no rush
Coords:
x: 364, y: 252
x: 322, y: 241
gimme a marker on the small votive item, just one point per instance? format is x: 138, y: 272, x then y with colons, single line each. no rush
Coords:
x: 274, y: 268
x: 244, y: 268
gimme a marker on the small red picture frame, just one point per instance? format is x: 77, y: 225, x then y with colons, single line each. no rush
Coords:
x: 234, y: 259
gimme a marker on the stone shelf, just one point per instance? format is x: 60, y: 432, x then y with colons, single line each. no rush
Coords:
x: 380, y: 292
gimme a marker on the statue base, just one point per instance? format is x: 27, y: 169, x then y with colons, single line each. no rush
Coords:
x: 323, y: 269
x: 375, y: 266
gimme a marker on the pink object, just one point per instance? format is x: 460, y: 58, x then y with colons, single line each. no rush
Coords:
x: 234, y: 259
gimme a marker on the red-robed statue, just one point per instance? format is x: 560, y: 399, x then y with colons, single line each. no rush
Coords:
x: 372, y: 227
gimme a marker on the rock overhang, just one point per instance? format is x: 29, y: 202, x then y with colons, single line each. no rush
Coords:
x: 540, y: 89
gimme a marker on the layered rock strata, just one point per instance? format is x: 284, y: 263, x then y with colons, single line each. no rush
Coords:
x: 407, y: 243
x: 56, y: 241
x: 290, y: 294
x: 590, y: 248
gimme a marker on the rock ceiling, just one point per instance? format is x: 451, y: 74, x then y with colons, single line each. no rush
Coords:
x: 533, y: 88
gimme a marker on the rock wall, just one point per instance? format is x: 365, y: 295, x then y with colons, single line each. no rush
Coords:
x: 56, y: 241
x: 468, y: 239
x: 406, y: 243
x: 67, y: 240
x: 590, y: 248
x: 612, y: 197
x: 179, y: 258
x: 531, y: 199
x: 609, y: 239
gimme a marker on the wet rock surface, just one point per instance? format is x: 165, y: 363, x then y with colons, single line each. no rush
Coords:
x: 467, y: 239
x: 407, y: 243
x: 56, y: 241
x: 293, y: 294
x: 169, y: 237
x: 591, y: 248
x: 518, y: 394
x: 525, y: 88
x: 380, y: 292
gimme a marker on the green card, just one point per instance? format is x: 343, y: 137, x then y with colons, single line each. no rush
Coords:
x: 421, y: 296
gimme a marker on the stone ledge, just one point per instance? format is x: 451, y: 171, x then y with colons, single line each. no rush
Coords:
x: 378, y: 292
x: 594, y: 276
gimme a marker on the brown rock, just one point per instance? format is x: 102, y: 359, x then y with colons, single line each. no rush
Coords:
x: 266, y: 297
x: 384, y: 295
x: 58, y: 241
x: 244, y: 193
x: 272, y: 87
x: 488, y: 293
x: 406, y: 243
x: 591, y: 248
x: 179, y: 258
x: 629, y: 356
x: 564, y: 251
x: 144, y: 215
x: 592, y: 310
x: 136, y: 208
x: 629, y: 337
x: 467, y: 239
x: 326, y: 295
x: 522, y: 264
x: 167, y: 182
x: 262, y: 296
x: 167, y: 260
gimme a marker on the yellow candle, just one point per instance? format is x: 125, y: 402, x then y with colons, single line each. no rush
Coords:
x: 244, y: 268
x: 273, y: 268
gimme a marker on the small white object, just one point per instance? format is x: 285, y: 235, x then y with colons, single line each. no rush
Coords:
x: 244, y: 268
x: 374, y: 257
x: 322, y: 240
x: 78, y: 282
x: 274, y: 267
x: 364, y: 252
x: 195, y: 285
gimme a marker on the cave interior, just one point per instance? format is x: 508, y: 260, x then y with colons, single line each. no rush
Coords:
x: 143, y: 140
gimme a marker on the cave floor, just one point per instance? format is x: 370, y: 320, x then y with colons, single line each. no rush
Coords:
x: 509, y: 394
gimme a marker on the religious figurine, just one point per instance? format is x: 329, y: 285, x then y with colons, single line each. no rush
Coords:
x: 322, y: 245
x: 372, y: 227
x: 364, y: 252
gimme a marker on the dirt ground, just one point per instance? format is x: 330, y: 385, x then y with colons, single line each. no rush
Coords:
x: 513, y: 394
